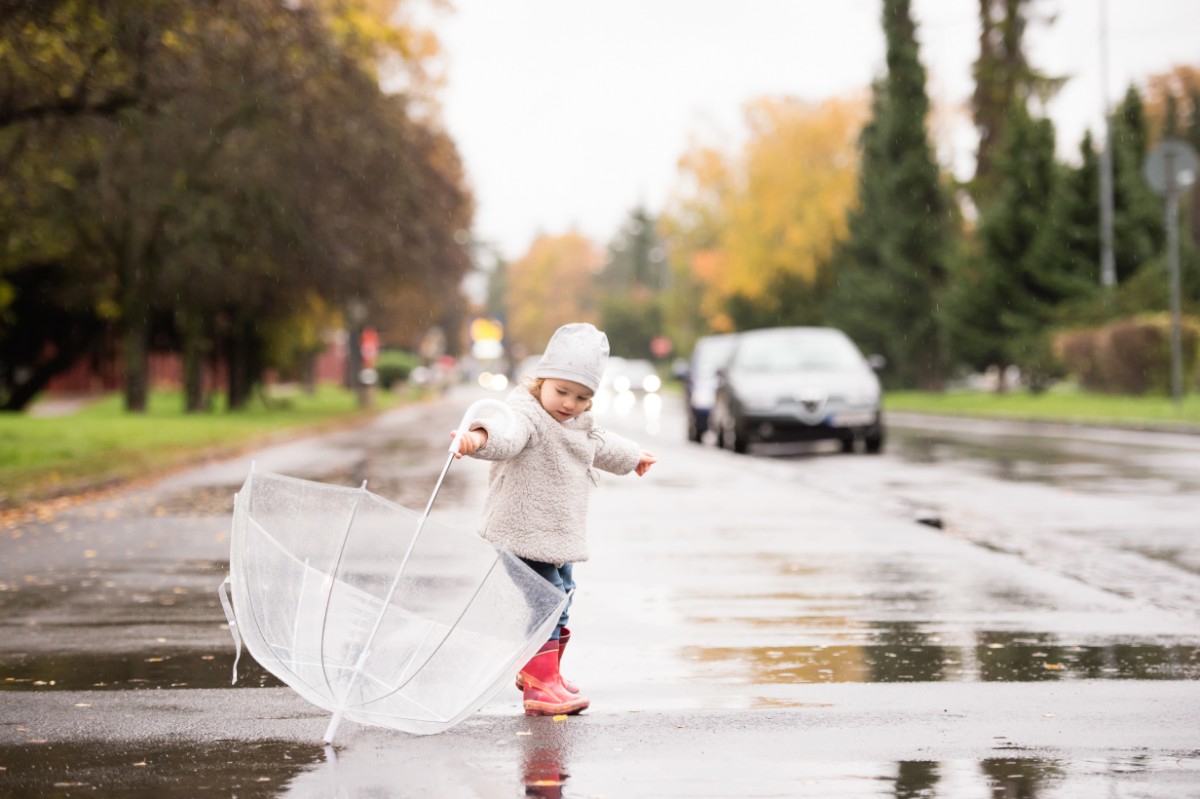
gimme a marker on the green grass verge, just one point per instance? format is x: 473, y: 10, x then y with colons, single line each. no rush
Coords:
x: 1055, y: 406
x: 43, y: 457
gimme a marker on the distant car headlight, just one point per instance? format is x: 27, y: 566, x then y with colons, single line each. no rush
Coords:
x: 621, y: 384
x: 652, y: 383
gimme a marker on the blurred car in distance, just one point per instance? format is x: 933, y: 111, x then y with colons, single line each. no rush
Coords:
x: 635, y: 375
x: 700, y: 380
x: 797, y: 384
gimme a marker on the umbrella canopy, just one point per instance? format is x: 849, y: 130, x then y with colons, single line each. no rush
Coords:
x: 369, y: 610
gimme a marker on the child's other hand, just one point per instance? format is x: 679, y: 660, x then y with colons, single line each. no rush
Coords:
x: 647, y: 460
x: 471, y: 443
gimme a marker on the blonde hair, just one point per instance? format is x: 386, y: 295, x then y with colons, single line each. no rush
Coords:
x: 534, y: 384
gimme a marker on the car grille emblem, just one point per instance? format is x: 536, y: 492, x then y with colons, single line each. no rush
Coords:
x: 811, y: 401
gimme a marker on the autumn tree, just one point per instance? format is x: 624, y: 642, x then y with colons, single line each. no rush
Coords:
x: 752, y: 230
x: 549, y: 286
x: 260, y: 174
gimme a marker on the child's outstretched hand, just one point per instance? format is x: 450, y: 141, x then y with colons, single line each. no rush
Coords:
x: 471, y: 443
x: 645, y: 462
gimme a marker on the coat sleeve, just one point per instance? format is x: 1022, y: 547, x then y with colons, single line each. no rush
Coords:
x: 615, y: 453
x: 504, y: 441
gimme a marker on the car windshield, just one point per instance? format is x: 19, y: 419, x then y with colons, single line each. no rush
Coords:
x: 797, y: 350
x: 711, y: 354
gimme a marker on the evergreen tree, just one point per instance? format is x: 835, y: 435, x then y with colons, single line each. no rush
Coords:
x: 893, y: 266
x: 1138, y: 232
x: 631, y: 285
x: 1003, y: 76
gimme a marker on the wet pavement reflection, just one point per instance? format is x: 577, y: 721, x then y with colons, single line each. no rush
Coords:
x: 1095, y: 467
x: 152, y: 770
x: 76, y: 671
x: 997, y: 657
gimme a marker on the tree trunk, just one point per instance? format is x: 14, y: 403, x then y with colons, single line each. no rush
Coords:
x: 243, y: 362
x: 137, y: 339
x: 194, y: 347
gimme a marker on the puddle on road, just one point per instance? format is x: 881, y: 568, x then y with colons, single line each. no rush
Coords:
x: 132, y: 671
x: 544, y: 768
x: 216, y: 768
x: 995, y: 657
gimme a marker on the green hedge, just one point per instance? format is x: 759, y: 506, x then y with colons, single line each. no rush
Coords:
x: 1129, y: 356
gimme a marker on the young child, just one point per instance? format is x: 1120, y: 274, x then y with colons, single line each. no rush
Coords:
x: 541, y: 476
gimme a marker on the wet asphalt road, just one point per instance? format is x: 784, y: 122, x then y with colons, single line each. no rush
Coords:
x: 772, y: 625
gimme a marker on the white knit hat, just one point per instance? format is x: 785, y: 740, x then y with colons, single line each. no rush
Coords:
x: 577, y: 352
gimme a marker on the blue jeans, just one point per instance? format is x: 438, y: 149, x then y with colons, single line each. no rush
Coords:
x: 561, y: 578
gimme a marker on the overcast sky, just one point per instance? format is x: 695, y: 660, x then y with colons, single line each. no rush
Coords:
x: 570, y: 113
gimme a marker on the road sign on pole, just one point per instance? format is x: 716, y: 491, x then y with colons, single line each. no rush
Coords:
x: 1169, y: 169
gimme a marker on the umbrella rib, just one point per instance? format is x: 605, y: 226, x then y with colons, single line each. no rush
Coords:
x: 254, y: 609
x: 436, y: 649
x: 337, y: 564
x: 362, y: 658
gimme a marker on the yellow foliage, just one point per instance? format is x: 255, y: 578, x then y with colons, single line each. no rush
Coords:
x: 383, y: 33
x: 778, y: 207
x: 549, y: 286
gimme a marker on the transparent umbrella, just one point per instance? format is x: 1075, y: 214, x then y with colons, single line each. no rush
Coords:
x: 371, y: 611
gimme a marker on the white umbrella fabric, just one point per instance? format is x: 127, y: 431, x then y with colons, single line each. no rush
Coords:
x: 371, y: 611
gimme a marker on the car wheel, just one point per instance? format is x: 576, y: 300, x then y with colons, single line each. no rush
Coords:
x: 848, y: 444
x: 738, y: 440
x: 874, y: 443
x: 694, y: 433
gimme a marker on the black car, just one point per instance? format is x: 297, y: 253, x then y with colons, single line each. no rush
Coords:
x: 797, y: 384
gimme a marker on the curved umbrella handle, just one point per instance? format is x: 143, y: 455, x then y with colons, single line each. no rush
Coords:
x: 473, y: 413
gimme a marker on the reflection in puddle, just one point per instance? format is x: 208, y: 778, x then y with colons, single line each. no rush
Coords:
x: 995, y: 657
x: 131, y: 671
x: 220, y: 768
x: 543, y: 760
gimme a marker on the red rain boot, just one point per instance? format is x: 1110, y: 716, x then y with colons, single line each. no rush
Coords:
x: 563, y: 638
x: 544, y: 691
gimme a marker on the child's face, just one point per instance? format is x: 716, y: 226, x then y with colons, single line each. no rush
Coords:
x: 564, y: 399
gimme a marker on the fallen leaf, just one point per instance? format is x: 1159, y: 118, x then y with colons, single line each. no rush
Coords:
x: 140, y: 763
x: 1054, y: 666
x: 154, y: 660
x: 561, y: 717
x: 82, y: 704
x: 89, y: 553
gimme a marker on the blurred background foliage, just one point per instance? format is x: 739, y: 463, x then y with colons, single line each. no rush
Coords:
x: 838, y: 213
x: 229, y: 178
x: 217, y: 178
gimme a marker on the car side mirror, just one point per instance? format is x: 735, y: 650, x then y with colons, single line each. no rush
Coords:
x: 876, y: 361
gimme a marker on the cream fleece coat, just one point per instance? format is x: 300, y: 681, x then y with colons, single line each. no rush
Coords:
x: 541, y: 478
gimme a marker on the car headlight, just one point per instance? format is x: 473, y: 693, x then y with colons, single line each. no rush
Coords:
x: 621, y: 384
x: 651, y: 383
